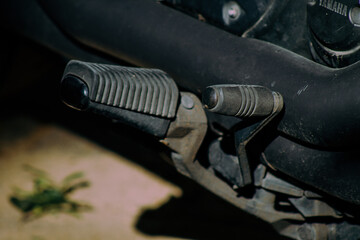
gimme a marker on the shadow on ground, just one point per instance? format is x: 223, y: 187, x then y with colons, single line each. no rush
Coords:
x: 200, y: 216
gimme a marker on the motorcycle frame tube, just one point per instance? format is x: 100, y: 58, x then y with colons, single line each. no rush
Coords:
x: 322, y: 104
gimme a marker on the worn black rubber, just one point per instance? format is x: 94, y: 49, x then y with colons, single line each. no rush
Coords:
x: 321, y: 103
x: 143, y: 98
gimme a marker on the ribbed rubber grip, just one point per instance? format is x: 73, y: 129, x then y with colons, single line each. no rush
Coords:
x: 249, y: 101
x: 239, y: 100
x: 149, y: 91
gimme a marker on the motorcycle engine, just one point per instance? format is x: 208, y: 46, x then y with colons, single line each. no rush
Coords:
x: 334, y: 31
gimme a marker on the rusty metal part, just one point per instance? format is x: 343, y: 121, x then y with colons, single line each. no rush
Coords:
x: 275, y: 184
x: 305, y: 231
x: 314, y: 208
x: 244, y: 136
x: 308, y: 203
x: 187, y: 132
x: 185, y: 136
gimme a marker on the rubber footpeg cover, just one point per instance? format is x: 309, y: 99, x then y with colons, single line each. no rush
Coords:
x: 239, y: 100
x: 149, y: 91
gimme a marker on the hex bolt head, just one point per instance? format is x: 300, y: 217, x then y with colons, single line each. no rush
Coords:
x: 187, y: 102
x: 231, y: 12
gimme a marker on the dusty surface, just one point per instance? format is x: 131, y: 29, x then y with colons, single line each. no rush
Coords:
x: 119, y: 189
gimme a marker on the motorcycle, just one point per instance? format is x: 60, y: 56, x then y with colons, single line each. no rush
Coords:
x: 256, y: 100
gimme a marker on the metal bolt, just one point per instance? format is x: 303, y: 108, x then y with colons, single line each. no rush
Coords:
x: 231, y: 12
x: 354, y: 16
x: 187, y: 102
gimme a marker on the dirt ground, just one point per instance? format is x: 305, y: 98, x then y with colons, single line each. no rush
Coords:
x: 119, y: 189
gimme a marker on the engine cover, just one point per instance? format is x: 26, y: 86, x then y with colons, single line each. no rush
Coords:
x: 334, y: 28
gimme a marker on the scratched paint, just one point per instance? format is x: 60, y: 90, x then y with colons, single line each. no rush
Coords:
x: 301, y: 90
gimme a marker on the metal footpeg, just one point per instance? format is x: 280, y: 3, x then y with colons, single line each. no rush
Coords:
x: 243, y: 101
x: 149, y: 91
x: 146, y: 99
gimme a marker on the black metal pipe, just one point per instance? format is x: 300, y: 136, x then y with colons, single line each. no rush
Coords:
x: 322, y: 104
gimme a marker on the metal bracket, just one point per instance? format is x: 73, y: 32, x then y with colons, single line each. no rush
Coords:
x: 244, y: 136
x: 187, y: 132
